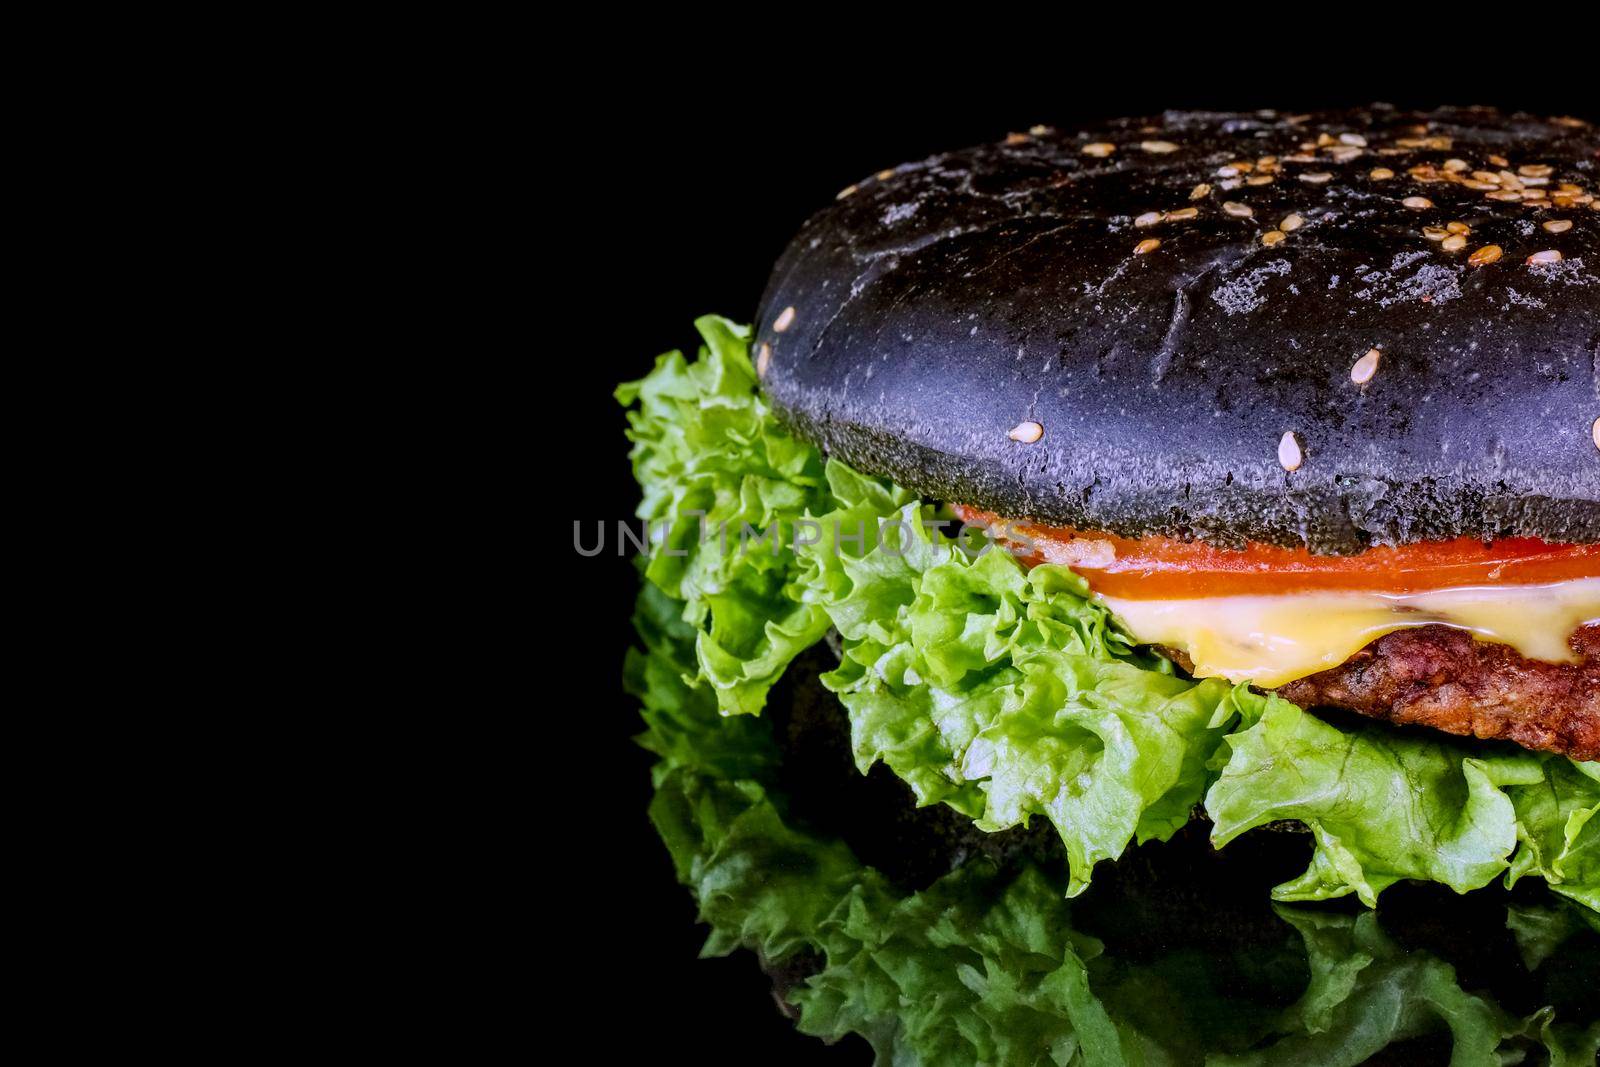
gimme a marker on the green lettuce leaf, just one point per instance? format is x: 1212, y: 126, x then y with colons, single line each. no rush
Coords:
x: 1366, y: 993
x: 980, y: 968
x: 1541, y: 930
x: 1568, y: 1045
x: 1382, y: 804
x: 716, y: 472
x: 1004, y: 692
x: 682, y: 722
x: 1559, y: 830
x: 760, y: 884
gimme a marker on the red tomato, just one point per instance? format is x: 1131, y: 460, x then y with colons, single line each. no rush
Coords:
x: 1160, y: 568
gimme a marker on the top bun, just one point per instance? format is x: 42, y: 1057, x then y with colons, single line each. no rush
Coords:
x: 1180, y: 307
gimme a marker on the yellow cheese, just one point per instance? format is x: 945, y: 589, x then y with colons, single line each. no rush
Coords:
x: 1272, y: 640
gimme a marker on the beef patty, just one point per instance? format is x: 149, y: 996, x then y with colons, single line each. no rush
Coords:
x: 1440, y: 677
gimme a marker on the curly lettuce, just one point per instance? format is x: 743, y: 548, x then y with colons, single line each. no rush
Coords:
x: 723, y: 486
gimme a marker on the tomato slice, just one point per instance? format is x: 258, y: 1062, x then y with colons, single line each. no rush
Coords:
x: 1160, y: 568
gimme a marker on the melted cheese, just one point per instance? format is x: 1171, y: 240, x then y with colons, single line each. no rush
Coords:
x: 1272, y: 640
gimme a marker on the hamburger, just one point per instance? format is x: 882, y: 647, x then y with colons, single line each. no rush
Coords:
x: 1290, y: 374
x: 1191, y: 475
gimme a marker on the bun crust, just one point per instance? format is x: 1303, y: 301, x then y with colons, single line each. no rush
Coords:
x: 1183, y: 316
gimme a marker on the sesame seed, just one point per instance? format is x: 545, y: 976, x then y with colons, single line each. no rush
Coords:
x: 1259, y: 179
x: 1149, y: 218
x: 1182, y: 213
x: 1366, y: 367
x: 1500, y: 161
x: 1099, y: 149
x: 783, y: 321
x: 1272, y: 237
x: 1038, y: 131
x: 1236, y: 209
x: 1558, y: 226
x: 1417, y: 203
x: 1454, y: 243
x: 1458, y: 227
x: 1487, y: 176
x: 1435, y: 233
x: 1200, y: 192
x: 1026, y: 432
x: 1291, y: 223
x: 763, y: 359
x: 1290, y: 455
x: 1381, y: 174
x: 1353, y: 139
x: 1547, y: 256
x: 1456, y: 166
x: 1149, y: 244
x: 1230, y: 171
x: 1503, y: 195
x: 1486, y: 255
x: 846, y: 191
x: 1016, y: 138
x: 885, y: 175
x: 1539, y: 170
x: 1159, y: 148
x: 1317, y: 178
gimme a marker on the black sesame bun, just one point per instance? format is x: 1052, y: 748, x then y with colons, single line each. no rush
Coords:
x: 1334, y: 330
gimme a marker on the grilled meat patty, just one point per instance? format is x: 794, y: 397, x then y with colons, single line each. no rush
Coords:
x: 1440, y: 677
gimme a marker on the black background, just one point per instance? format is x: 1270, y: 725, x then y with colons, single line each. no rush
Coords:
x: 687, y: 193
